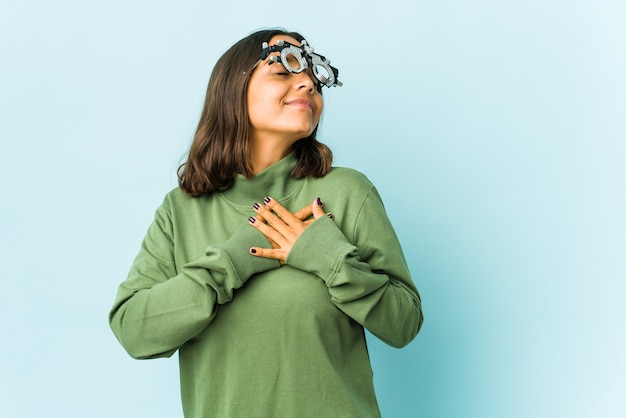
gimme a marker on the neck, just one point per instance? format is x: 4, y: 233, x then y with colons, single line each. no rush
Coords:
x: 266, y: 153
x: 275, y: 181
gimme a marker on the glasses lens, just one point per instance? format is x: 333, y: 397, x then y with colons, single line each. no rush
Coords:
x: 292, y: 60
x: 324, y: 74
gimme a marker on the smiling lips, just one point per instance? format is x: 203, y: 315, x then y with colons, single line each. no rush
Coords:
x: 302, y: 103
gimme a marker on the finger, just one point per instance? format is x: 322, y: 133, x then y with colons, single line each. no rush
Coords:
x: 310, y: 221
x: 304, y: 213
x: 273, y: 243
x: 270, y: 218
x: 269, y: 253
x: 286, y: 216
x: 260, y: 218
x: 317, y: 208
x: 270, y: 233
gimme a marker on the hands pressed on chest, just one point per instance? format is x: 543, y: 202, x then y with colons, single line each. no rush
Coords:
x: 281, y: 227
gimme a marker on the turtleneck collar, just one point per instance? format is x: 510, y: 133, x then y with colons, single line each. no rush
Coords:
x: 275, y: 181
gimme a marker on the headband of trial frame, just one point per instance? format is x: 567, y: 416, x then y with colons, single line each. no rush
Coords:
x: 304, y: 55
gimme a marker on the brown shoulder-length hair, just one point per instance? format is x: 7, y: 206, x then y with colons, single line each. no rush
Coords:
x: 220, y: 148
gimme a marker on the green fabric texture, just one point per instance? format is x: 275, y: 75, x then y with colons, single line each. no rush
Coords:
x: 257, y: 339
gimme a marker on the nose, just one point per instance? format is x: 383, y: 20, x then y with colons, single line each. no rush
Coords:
x: 304, y: 80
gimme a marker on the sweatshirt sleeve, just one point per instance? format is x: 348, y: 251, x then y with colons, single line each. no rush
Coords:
x: 366, y: 275
x: 157, y: 308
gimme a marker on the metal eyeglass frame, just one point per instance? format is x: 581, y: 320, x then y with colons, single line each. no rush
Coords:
x: 325, y: 73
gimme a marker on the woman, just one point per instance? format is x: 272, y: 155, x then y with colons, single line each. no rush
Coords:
x: 266, y: 304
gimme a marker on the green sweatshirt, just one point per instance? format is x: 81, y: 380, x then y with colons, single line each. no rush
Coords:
x: 257, y: 339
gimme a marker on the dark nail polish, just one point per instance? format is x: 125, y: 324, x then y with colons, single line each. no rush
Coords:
x: 330, y: 215
x: 267, y: 200
x: 319, y: 202
x: 252, y: 219
x: 252, y: 250
x: 256, y: 206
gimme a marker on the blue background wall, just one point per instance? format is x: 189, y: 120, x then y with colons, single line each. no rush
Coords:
x: 494, y: 131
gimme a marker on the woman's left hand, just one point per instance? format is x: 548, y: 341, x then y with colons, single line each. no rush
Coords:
x: 281, y: 227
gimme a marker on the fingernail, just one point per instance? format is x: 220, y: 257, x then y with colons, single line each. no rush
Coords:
x: 331, y: 216
x: 252, y: 251
x: 267, y: 200
x: 319, y: 202
x: 256, y: 206
x: 252, y: 219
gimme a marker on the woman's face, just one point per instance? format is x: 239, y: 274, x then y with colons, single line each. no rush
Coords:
x: 282, y: 106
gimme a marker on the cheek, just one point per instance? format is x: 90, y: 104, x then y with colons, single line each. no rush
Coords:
x: 319, y: 108
x: 263, y: 98
x: 258, y: 106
